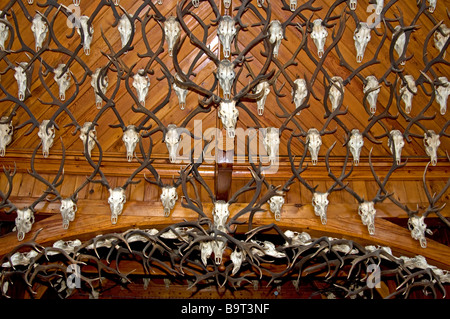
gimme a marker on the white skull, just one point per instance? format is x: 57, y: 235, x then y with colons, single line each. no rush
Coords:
x: 431, y: 142
x: 218, y: 247
x: 6, y: 133
x: 21, y: 77
x: 237, y: 257
x: 226, y: 3
x: 206, y: 249
x: 276, y: 203
x: 220, y: 214
x: 432, y: 5
x: 442, y: 92
x: 266, y: 248
x: 39, y: 28
x: 353, y: 4
x: 271, y: 142
x: 168, y: 198
x: 399, y: 45
x: 172, y: 31
x: 68, y: 208
x: 116, y: 200
x: 297, y: 238
x: 319, y: 35
x: 367, y: 212
x: 362, y: 38
x: 372, y: 85
x: 226, y: 32
x: 396, y: 140
x: 275, y: 35
x: 63, y: 80
x: 228, y: 113
x: 379, y: 6
x: 172, y: 140
x: 355, y: 144
x: 320, y: 203
x: 418, y: 228
x: 314, y: 141
x: 4, y: 31
x: 196, y: 3
x: 335, y: 95
x: 261, y: 102
x: 47, y: 136
x: 293, y: 5
x: 406, y: 94
x: 130, y: 138
x: 299, y: 93
x: 103, y: 85
x: 125, y: 29
x: 225, y: 74
x: 88, y: 34
x: 441, y: 38
x: 92, y: 136
x: 141, y: 83
x: 181, y: 92
x: 24, y: 221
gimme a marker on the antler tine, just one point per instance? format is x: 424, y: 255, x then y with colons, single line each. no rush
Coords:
x: 96, y: 167
x: 5, y: 202
x: 337, y: 180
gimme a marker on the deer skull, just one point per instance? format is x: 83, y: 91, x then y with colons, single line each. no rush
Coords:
x: 299, y: 93
x: 130, y: 138
x: 46, y: 135
x: 271, y: 142
x: 440, y: 37
x: 432, y: 6
x: 6, y: 133
x: 442, y: 92
x: 431, y: 142
x: 172, y: 140
x: 362, y: 38
x: 226, y: 32
x: 293, y: 5
x: 39, y: 28
x: 172, y: 31
x: 63, y: 80
x: 68, y: 208
x: 226, y: 3
x: 336, y: 93
x: 367, y: 212
x: 319, y: 35
x: 24, y: 221
x: 407, y: 92
x: 237, y: 257
x: 275, y: 35
x: 320, y: 203
x: 396, y: 141
x: 101, y: 87
x: 418, y: 228
x: 168, y: 198
x: 220, y: 214
x: 399, y: 45
x: 87, y: 34
x: 218, y: 247
x: 314, y: 141
x: 261, y: 102
x: 4, y: 31
x: 116, y: 200
x: 372, y: 89
x: 228, y: 113
x: 22, y: 79
x: 84, y: 137
x: 124, y: 29
x: 353, y: 4
x: 181, y: 92
x: 225, y: 74
x: 355, y: 144
x: 276, y: 203
x: 141, y: 83
x: 205, y: 251
x: 196, y: 3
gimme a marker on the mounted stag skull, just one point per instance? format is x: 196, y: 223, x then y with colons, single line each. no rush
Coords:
x: 352, y: 4
x: 293, y: 5
x: 372, y: 89
x: 228, y: 113
x: 319, y: 35
x: 141, y: 82
x: 172, y: 140
x: 355, y: 145
x: 6, y: 133
x: 180, y: 91
x: 431, y: 142
x: 46, y: 134
x: 125, y: 29
x: 4, y: 31
x: 130, y: 138
x: 336, y: 92
x: 442, y: 91
x: 299, y: 92
x: 23, y: 80
x: 399, y: 45
x: 396, y: 142
x: 320, y: 204
x: 172, y: 32
x: 116, y: 200
x: 367, y: 212
x: 91, y: 139
x: 314, y: 141
x: 276, y: 204
x: 418, y: 228
x: 432, y: 5
x: 263, y: 86
x: 88, y: 33
x: 237, y: 257
x: 226, y: 75
x: 440, y: 37
x: 39, y: 28
x: 168, y: 197
x: 362, y: 38
x: 68, y: 208
x: 276, y: 34
x: 226, y: 32
x: 407, y: 92
x: 23, y: 222
x: 220, y: 214
x: 271, y: 142
x: 63, y: 80
x: 99, y: 85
